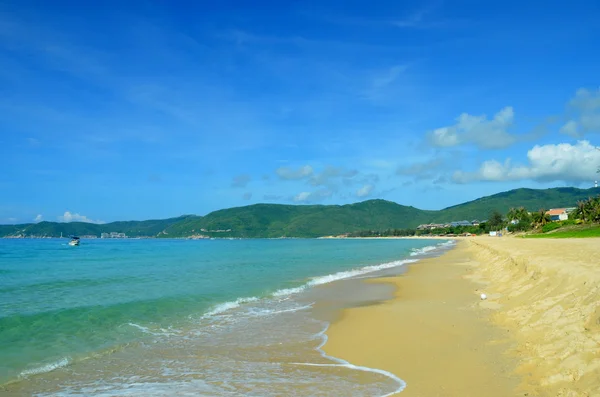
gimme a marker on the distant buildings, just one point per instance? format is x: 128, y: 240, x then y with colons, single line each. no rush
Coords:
x: 433, y: 226
x: 198, y: 237
x: 461, y: 223
x: 113, y: 235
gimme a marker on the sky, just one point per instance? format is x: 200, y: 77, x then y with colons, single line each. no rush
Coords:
x: 153, y: 109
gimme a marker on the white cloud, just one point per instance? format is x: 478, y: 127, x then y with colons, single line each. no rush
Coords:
x: 444, y: 137
x: 364, y: 191
x: 38, y: 218
x: 562, y: 162
x: 317, y: 185
x: 570, y: 128
x: 388, y: 77
x: 291, y: 174
x: 247, y: 196
x: 311, y: 197
x: 329, y: 180
x: 326, y: 176
x: 422, y: 170
x: 241, y: 180
x: 417, y: 18
x: 477, y: 130
x: 330, y: 175
x: 69, y: 217
x: 301, y: 197
x: 383, y: 84
x: 586, y: 118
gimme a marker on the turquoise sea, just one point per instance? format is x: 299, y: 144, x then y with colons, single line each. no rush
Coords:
x: 183, y: 317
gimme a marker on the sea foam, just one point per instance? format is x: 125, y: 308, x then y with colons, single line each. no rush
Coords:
x: 282, y: 293
x: 223, y: 307
x: 429, y: 248
x: 356, y: 272
x: 63, y: 362
x: 343, y: 363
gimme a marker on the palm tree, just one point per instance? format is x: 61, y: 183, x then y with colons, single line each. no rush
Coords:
x: 588, y: 210
x: 582, y: 210
x: 541, y: 217
x: 544, y: 217
x: 535, y: 218
x: 522, y: 214
x: 594, y: 209
x: 517, y: 214
x: 512, y: 214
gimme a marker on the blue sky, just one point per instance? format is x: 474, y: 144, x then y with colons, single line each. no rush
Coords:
x: 154, y: 109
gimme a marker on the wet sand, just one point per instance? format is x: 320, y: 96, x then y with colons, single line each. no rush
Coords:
x: 537, y: 334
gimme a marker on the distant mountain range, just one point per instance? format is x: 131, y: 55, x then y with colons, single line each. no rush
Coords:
x: 277, y: 220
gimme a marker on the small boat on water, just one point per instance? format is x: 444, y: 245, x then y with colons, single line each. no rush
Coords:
x: 74, y: 241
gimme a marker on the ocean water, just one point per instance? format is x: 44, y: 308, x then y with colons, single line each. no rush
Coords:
x: 183, y: 317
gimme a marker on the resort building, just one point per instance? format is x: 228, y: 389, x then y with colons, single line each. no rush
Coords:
x: 113, y: 235
x: 460, y: 223
x: 558, y: 214
x: 433, y: 226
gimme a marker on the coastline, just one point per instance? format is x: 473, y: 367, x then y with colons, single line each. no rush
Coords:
x: 269, y: 342
x: 537, y: 334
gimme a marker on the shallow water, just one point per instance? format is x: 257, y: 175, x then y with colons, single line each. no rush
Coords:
x: 177, y: 317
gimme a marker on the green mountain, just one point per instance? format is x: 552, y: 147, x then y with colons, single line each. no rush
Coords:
x: 531, y: 199
x: 150, y: 228
x: 277, y: 220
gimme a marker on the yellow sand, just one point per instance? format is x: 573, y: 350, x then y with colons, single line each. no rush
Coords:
x: 537, y: 334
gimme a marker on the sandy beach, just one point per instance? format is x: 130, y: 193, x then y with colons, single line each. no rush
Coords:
x: 536, y: 334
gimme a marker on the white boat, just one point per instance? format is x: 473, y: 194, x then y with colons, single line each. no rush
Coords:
x: 74, y: 241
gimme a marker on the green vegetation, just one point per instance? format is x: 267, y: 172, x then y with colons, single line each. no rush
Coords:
x: 522, y: 218
x: 588, y: 210
x: 550, y: 227
x: 55, y: 229
x: 9, y: 230
x: 372, y: 217
x: 581, y: 231
x: 530, y: 199
x: 444, y: 231
x: 540, y: 218
x: 495, y: 221
x: 583, y: 222
x: 275, y: 220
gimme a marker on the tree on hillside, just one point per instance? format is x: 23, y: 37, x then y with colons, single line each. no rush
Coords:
x: 541, y: 218
x: 588, y: 210
x: 519, y: 214
x: 582, y: 211
x: 522, y: 218
x: 495, y: 221
x: 595, y: 209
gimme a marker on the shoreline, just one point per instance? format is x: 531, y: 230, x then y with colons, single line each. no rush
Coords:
x: 294, y: 307
x: 535, y: 335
